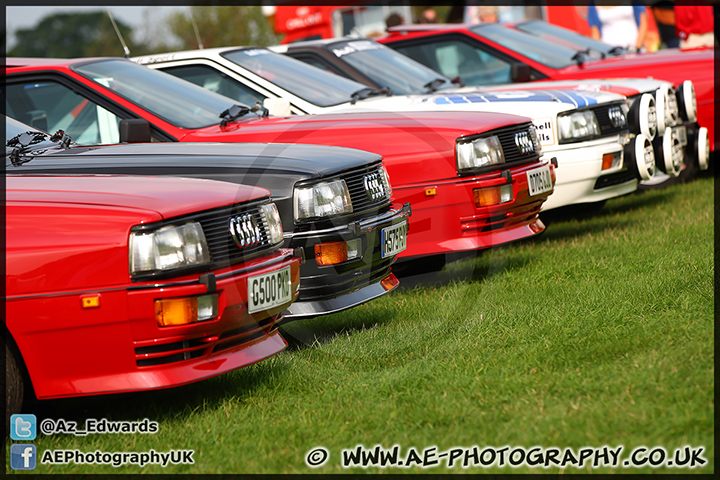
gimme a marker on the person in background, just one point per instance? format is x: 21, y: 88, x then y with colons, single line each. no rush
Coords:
x: 429, y: 16
x: 393, y: 20
x: 665, y: 20
x: 694, y: 25
x: 481, y: 14
x: 621, y: 25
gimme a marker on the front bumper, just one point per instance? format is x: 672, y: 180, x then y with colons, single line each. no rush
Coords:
x: 580, y: 178
x: 445, y: 218
x: 119, y: 347
x: 332, y: 288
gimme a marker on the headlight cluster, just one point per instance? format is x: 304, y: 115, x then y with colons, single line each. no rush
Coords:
x: 168, y: 248
x: 274, y: 223
x: 478, y: 153
x: 578, y: 126
x: 323, y: 199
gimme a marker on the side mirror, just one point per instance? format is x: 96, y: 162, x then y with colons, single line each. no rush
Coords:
x: 520, y: 73
x: 277, y: 107
x: 134, y: 130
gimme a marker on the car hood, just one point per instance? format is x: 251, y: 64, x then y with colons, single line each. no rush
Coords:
x: 167, y: 196
x: 301, y: 160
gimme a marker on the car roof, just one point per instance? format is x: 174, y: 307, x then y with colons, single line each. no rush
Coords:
x: 43, y: 62
x: 421, y: 27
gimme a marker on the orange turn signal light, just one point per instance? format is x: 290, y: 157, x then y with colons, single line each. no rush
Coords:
x: 331, y: 253
x: 488, y: 196
x: 389, y: 282
x: 90, y: 301
x: 607, y: 161
x: 185, y: 310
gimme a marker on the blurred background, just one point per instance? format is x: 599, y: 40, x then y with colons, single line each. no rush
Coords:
x: 67, y: 32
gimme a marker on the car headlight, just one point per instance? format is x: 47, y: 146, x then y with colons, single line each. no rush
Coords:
x: 578, y: 126
x: 687, y: 103
x: 643, y: 116
x: 479, y: 152
x: 322, y: 199
x: 272, y: 217
x: 667, y: 108
x: 168, y: 248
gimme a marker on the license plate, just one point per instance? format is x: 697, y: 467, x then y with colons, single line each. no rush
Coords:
x: 681, y: 133
x: 539, y: 180
x: 269, y: 290
x: 393, y: 240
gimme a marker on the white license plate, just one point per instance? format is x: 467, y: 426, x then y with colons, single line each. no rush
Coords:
x: 539, y: 180
x: 681, y: 134
x: 393, y: 240
x: 269, y: 290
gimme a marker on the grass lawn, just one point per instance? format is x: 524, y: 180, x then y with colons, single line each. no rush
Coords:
x: 599, y: 332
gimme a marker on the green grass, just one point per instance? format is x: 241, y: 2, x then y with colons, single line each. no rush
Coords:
x: 597, y: 332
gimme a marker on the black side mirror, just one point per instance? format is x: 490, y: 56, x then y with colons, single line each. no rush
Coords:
x: 134, y: 130
x: 520, y: 73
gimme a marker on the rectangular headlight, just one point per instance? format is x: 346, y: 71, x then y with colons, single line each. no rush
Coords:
x: 168, y: 248
x: 578, y: 125
x: 272, y: 217
x: 478, y: 153
x: 322, y: 199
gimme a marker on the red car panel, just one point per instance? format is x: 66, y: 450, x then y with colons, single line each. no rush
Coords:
x: 84, y: 326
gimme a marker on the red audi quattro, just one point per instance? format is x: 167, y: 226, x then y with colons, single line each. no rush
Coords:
x: 473, y: 179
x: 492, y: 53
x: 117, y: 284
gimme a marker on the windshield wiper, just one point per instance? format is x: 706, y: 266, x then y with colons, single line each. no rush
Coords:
x: 617, y: 51
x: 237, y: 111
x: 24, y: 142
x: 433, y: 85
x: 367, y: 92
x: 580, y: 55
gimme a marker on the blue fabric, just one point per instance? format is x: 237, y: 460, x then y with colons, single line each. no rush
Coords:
x: 594, y: 20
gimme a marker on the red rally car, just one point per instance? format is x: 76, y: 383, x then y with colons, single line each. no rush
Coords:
x: 493, y: 53
x: 117, y: 284
x: 473, y: 179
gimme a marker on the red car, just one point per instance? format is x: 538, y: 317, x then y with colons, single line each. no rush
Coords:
x: 118, y: 284
x: 490, y: 54
x: 474, y: 180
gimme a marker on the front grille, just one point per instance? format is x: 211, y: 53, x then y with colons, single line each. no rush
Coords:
x: 510, y: 148
x: 355, y: 180
x: 216, y: 226
x: 603, y: 117
x: 165, y: 353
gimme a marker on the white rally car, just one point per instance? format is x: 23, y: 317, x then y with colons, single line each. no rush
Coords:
x: 584, y: 132
x: 678, y: 133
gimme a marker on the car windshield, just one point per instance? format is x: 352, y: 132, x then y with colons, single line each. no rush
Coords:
x: 568, y: 38
x: 176, y: 101
x: 310, y: 83
x: 540, y: 50
x: 389, y: 68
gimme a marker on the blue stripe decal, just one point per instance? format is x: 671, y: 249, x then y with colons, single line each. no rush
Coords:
x: 577, y: 99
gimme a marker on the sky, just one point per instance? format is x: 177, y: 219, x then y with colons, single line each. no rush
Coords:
x: 17, y: 17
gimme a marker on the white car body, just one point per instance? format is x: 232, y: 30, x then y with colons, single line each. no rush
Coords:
x: 579, y: 163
